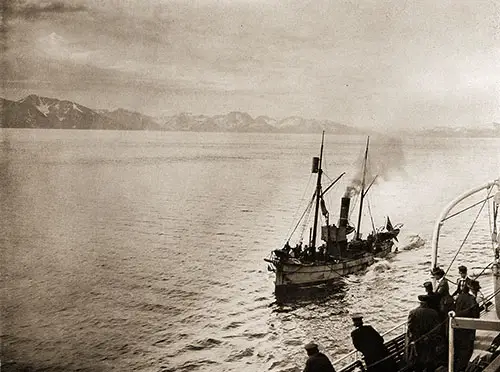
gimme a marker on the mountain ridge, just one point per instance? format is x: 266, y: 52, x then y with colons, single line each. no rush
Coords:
x: 36, y: 111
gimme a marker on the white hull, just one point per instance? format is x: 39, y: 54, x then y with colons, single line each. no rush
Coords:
x: 293, y: 273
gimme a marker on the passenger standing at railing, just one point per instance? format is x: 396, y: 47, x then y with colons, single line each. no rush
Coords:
x: 446, y: 303
x: 466, y: 306
x: 476, y: 292
x: 433, y: 296
x: 371, y: 344
x: 462, y: 281
x: 424, y: 336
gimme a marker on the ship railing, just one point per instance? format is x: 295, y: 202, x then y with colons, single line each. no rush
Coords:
x: 355, y: 356
x: 469, y: 323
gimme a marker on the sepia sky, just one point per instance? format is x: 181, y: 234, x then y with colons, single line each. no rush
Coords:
x: 369, y: 63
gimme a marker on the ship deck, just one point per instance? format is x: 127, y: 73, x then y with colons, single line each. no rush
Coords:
x: 485, y: 338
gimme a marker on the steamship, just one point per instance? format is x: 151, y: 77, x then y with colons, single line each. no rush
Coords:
x: 339, y: 254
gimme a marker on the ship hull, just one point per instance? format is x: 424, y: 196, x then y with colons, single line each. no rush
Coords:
x: 292, y: 273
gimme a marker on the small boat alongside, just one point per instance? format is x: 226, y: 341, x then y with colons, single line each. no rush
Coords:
x: 486, y: 353
x: 338, y: 255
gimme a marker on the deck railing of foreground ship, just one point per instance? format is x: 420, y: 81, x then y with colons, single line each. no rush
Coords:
x: 488, y: 325
x: 353, y: 361
x: 486, y: 355
x: 398, y: 345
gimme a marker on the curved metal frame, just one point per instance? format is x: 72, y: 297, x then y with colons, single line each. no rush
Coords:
x: 447, y: 209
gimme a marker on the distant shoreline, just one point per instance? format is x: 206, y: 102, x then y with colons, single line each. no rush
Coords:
x: 37, y: 112
x: 395, y: 134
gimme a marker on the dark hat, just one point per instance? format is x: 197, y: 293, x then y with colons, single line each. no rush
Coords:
x: 423, y: 298
x: 462, y: 269
x: 428, y: 285
x: 474, y: 284
x: 311, y: 346
x: 356, y: 316
x: 437, y: 271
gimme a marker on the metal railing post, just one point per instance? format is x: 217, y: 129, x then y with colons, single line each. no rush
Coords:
x: 451, y: 335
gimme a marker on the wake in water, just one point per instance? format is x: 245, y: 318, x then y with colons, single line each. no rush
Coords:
x: 415, y: 242
x: 381, y: 266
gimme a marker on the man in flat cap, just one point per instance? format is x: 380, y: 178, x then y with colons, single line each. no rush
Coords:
x: 371, y: 344
x: 317, y: 361
x: 424, y: 336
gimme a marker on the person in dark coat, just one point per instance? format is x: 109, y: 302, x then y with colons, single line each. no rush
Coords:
x: 317, y: 361
x: 433, y: 296
x: 446, y: 302
x: 371, y: 344
x: 466, y: 306
x: 475, y: 290
x: 424, y: 336
x: 462, y: 281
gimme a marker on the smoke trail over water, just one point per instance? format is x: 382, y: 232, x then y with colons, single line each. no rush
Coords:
x: 385, y: 158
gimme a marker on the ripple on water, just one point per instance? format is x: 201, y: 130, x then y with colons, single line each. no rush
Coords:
x: 240, y: 354
x: 195, y: 365
x: 203, y: 344
x: 233, y: 325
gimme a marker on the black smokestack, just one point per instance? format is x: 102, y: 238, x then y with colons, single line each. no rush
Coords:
x: 344, y: 211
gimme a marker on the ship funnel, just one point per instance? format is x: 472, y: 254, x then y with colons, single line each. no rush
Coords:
x: 315, y: 165
x: 344, y: 211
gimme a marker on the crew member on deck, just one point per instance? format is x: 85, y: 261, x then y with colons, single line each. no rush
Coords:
x: 297, y: 251
x: 317, y: 361
x: 371, y: 344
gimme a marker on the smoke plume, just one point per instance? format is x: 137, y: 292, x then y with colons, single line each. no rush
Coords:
x: 385, y: 158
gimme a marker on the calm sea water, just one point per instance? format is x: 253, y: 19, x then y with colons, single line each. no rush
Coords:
x: 144, y: 250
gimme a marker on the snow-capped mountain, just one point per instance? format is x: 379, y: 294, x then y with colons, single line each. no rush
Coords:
x: 43, y: 112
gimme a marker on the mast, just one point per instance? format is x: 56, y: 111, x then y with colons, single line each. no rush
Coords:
x: 318, y: 193
x: 362, y: 189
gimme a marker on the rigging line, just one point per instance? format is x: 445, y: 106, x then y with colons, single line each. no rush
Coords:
x: 307, y: 218
x: 491, y: 229
x: 327, y: 176
x: 469, y: 207
x: 331, y: 185
x: 371, y: 216
x: 353, y: 205
x: 468, y: 232
x: 492, y: 296
x: 482, y: 271
x: 301, y: 217
x: 493, y: 222
x: 299, y: 206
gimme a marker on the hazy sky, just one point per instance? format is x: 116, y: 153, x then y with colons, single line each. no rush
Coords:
x: 368, y: 63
